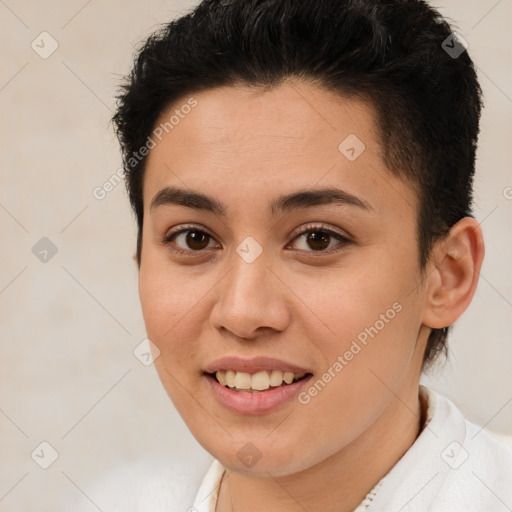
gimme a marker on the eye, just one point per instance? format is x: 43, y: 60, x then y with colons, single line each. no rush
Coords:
x: 191, y: 239
x: 188, y: 239
x: 320, y: 239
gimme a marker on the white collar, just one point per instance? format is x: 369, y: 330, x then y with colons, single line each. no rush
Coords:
x: 452, y: 465
x: 207, y: 495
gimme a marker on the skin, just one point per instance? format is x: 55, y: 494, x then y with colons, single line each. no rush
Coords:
x: 244, y: 147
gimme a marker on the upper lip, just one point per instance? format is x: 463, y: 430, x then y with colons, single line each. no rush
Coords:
x: 253, y: 365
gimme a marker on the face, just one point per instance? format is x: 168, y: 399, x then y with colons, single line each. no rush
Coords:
x: 276, y: 246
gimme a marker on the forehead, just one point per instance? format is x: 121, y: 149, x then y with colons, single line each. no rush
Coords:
x: 246, y: 142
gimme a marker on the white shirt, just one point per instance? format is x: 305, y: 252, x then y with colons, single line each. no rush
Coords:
x: 453, y: 466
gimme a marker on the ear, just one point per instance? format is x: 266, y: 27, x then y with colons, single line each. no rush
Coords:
x: 453, y: 274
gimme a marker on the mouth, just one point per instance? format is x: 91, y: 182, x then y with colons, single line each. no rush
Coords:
x: 236, y: 390
x: 258, y: 382
x: 258, y: 385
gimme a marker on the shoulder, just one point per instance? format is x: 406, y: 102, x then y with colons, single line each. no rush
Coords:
x: 453, y: 466
x: 148, y: 484
x: 479, y: 467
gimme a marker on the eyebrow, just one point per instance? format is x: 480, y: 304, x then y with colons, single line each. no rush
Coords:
x: 286, y: 203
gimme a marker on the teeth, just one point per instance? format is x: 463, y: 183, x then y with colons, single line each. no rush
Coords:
x: 259, y: 381
x: 242, y: 380
x: 288, y: 377
x: 276, y: 378
x: 229, y: 379
x: 221, y: 377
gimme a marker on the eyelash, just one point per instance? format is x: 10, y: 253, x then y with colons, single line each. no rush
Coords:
x: 169, y: 238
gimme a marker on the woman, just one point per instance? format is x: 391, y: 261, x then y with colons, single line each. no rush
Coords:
x: 301, y: 174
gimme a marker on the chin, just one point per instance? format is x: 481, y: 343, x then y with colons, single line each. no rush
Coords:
x: 261, y: 457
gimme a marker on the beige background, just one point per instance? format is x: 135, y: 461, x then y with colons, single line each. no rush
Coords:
x: 69, y: 326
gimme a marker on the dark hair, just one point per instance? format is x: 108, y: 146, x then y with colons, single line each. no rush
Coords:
x: 399, y: 55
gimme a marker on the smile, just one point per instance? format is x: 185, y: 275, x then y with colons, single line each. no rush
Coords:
x: 254, y: 386
x: 257, y: 382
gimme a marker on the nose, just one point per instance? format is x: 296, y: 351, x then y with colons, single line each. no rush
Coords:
x: 251, y: 298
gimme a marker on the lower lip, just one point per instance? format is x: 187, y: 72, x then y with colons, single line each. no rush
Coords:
x: 255, y: 403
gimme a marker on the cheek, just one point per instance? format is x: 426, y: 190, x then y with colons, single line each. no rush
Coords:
x: 370, y: 318
x: 366, y: 362
x: 170, y: 312
x: 167, y: 293
x: 355, y: 303
x: 169, y: 306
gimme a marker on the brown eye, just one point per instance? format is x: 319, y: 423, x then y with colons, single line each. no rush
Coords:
x: 313, y: 239
x: 197, y: 240
x: 188, y: 240
x: 320, y: 239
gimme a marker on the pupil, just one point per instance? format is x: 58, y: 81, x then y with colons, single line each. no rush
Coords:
x: 318, y: 240
x: 196, y: 237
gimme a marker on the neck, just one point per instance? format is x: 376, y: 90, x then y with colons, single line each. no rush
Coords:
x: 340, y: 482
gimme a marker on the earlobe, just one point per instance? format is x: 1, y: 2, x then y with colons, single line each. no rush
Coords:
x: 456, y: 263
